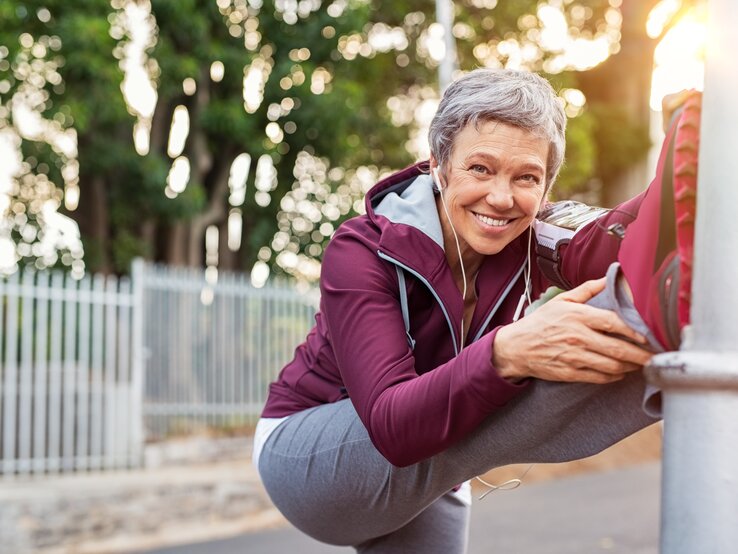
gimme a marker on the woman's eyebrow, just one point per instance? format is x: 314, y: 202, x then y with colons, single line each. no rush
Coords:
x: 533, y: 166
x: 487, y: 156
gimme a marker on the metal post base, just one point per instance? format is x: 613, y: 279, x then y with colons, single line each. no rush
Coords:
x: 700, y: 481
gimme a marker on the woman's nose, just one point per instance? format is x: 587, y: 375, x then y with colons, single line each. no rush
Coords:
x: 500, y: 194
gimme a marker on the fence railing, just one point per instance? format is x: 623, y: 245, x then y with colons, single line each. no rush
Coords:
x: 90, y: 369
x: 211, y: 349
x: 67, y: 399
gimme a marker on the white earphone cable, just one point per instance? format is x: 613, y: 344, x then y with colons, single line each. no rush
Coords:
x: 458, y: 250
x: 512, y: 483
x: 527, y: 266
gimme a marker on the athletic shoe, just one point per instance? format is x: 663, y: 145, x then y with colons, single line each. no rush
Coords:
x: 657, y: 250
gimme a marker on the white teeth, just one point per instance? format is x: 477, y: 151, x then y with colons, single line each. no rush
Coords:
x: 494, y: 222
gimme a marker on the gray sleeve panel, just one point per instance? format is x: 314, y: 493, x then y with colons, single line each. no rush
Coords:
x: 403, y: 306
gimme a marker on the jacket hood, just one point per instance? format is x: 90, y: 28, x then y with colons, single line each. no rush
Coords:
x: 397, y: 181
x: 412, y: 202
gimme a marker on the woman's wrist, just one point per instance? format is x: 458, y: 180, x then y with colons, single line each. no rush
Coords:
x: 502, y: 360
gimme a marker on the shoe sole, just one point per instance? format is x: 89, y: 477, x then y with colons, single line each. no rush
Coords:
x: 686, y: 154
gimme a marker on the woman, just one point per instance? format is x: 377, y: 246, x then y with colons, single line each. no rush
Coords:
x: 418, y: 374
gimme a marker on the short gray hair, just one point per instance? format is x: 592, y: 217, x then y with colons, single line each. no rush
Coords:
x: 518, y: 98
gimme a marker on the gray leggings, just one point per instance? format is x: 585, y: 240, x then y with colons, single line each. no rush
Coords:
x: 323, y: 473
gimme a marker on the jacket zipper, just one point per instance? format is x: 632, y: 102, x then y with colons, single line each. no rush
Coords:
x: 491, y: 313
x: 497, y: 305
x: 433, y: 291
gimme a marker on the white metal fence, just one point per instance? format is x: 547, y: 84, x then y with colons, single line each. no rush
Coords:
x: 89, y: 369
x: 67, y: 399
x: 211, y: 350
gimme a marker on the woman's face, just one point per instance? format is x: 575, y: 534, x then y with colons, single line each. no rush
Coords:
x: 494, y: 184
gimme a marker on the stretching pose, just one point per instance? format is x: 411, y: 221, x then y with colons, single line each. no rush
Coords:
x: 420, y: 372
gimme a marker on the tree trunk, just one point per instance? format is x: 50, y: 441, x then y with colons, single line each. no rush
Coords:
x: 93, y: 218
x: 161, y: 122
x: 217, y: 181
x: 624, y: 80
x: 176, y: 247
x: 148, y: 236
x: 227, y: 258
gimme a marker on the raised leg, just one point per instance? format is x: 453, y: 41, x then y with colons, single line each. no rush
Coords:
x: 323, y: 473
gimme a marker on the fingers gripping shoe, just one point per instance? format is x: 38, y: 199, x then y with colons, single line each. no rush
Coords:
x: 657, y: 251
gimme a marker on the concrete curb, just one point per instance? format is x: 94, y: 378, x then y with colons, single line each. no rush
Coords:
x: 128, y: 510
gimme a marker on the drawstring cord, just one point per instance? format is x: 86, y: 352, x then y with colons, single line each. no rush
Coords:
x: 508, y: 485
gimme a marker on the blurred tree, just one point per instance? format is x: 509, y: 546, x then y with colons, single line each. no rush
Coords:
x: 209, y: 61
x: 267, y: 121
x: 618, y: 93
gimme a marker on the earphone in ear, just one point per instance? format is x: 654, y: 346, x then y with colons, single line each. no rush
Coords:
x: 437, y: 178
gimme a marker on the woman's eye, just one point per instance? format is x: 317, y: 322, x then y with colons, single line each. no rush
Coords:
x: 478, y: 168
x: 530, y: 178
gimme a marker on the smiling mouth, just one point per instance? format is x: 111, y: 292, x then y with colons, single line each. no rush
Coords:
x: 492, y: 222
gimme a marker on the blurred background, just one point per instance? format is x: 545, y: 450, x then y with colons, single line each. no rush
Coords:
x: 170, y: 173
x: 189, y: 131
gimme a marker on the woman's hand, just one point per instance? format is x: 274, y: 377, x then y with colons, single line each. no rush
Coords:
x: 567, y: 340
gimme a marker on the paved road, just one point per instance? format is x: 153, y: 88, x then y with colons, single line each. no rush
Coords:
x: 615, y: 511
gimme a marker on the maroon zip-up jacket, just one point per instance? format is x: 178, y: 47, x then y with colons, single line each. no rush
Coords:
x: 417, y: 395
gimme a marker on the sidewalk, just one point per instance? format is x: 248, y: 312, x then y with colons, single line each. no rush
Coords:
x: 136, y: 509
x: 614, y: 511
x: 173, y: 503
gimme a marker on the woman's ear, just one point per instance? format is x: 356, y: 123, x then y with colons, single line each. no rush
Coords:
x: 434, y: 171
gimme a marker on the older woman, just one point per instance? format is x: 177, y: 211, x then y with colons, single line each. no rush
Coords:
x: 418, y: 374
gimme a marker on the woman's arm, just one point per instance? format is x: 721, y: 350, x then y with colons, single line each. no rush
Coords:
x: 409, y: 417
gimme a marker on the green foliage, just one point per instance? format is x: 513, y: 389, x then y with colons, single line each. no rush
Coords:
x: 620, y: 141
x: 581, y: 154
x: 127, y: 247
x: 345, y: 129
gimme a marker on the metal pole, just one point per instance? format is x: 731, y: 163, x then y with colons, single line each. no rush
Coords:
x: 700, y: 382
x: 445, y: 18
